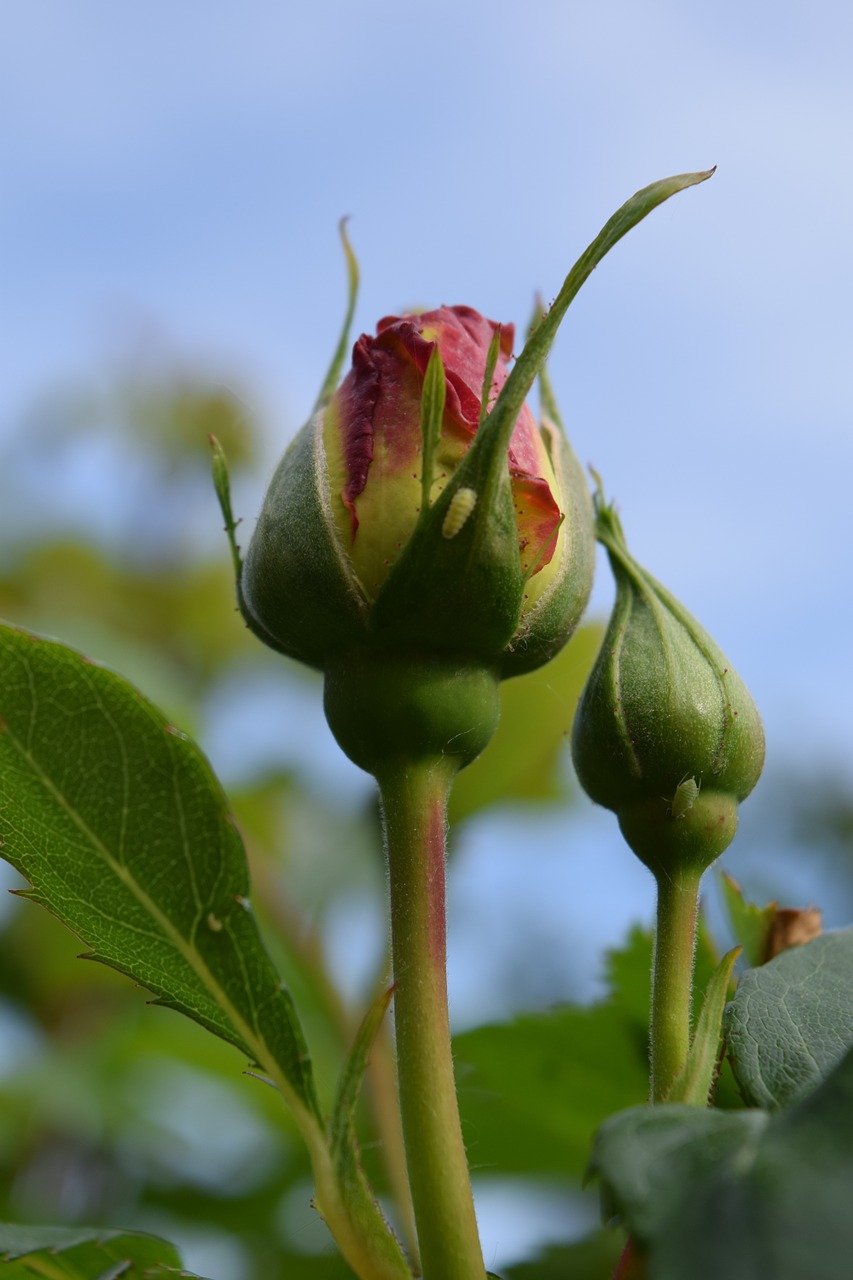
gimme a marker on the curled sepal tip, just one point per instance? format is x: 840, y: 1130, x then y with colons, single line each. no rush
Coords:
x: 333, y: 375
x: 666, y: 733
x: 222, y: 486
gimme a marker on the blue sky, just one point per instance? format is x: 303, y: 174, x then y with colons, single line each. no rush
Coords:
x: 180, y: 169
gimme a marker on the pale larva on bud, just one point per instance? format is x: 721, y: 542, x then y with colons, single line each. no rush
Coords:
x: 462, y: 504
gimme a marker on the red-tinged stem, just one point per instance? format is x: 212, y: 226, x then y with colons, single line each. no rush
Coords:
x: 631, y: 1266
x: 414, y: 801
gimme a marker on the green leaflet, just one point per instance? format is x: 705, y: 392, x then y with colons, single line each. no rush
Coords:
x: 696, y: 1078
x: 736, y: 1194
x: 119, y: 824
x: 85, y: 1253
x: 750, y: 923
x: 532, y: 1091
x: 791, y: 1021
x: 354, y: 1188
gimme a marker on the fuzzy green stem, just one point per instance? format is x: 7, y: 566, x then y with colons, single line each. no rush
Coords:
x: 672, y: 976
x: 414, y: 801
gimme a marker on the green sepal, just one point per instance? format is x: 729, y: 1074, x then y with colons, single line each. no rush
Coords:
x: 297, y: 582
x: 694, y: 1082
x: 297, y: 590
x: 532, y: 359
x: 458, y: 593
x: 492, y: 357
x: 432, y: 412
x: 463, y: 594
x: 332, y: 378
x: 222, y: 487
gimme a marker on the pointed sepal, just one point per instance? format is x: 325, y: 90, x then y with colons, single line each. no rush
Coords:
x: 695, y: 1081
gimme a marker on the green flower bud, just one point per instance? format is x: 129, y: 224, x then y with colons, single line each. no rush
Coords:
x: 666, y: 734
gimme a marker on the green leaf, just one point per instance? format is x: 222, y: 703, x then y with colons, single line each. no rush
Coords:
x: 120, y: 826
x: 526, y: 759
x: 355, y: 1190
x: 696, y: 1078
x: 592, y: 1258
x: 738, y: 1194
x: 532, y: 1091
x: 751, y: 924
x: 791, y: 1021
x: 84, y: 1253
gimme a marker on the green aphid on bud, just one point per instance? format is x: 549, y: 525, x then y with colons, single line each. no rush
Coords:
x: 666, y: 733
x: 686, y: 794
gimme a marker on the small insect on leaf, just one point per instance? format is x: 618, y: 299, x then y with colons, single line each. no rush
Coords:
x: 462, y: 504
x: 685, y: 797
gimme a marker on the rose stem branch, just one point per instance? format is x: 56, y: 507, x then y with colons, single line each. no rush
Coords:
x: 672, y: 976
x: 414, y: 801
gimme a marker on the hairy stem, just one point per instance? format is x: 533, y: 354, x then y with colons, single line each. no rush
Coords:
x: 414, y: 800
x: 672, y: 976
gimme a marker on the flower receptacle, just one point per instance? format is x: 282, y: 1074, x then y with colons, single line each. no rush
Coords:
x: 386, y: 709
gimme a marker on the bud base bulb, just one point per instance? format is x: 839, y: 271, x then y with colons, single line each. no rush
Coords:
x: 386, y: 708
x: 669, y: 843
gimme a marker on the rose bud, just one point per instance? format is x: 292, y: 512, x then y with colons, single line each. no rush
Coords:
x: 423, y: 538
x: 666, y: 733
x: 385, y: 539
x: 335, y: 563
